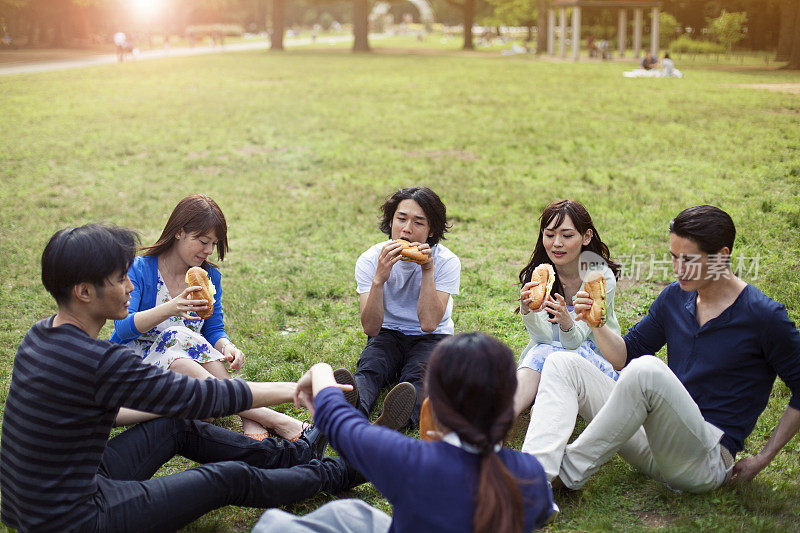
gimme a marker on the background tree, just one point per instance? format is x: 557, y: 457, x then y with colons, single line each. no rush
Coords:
x: 794, y: 57
x: 788, y: 14
x: 467, y: 8
x: 668, y: 29
x: 727, y: 28
x: 514, y: 13
x: 361, y: 10
x: 278, y: 25
x: 542, y: 7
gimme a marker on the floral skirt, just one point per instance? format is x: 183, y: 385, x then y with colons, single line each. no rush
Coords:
x: 179, y: 342
x: 535, y: 358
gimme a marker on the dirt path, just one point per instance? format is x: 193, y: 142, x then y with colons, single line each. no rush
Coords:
x: 792, y: 88
x: 33, y: 61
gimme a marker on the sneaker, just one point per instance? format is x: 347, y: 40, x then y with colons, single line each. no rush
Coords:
x: 344, y: 377
x: 398, y: 406
x: 316, y: 439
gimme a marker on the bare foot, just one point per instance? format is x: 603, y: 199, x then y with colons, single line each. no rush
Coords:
x: 288, y: 428
x: 250, y: 427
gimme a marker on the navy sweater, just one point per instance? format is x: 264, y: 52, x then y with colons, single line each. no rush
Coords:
x: 66, y: 389
x: 431, y: 485
x: 728, y: 365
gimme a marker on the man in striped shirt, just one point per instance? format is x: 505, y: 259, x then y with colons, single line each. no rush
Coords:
x: 59, y: 471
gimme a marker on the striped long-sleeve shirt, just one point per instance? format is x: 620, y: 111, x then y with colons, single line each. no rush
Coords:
x: 66, y: 389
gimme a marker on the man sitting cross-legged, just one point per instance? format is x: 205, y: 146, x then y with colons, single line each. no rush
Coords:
x: 405, y: 307
x: 58, y: 471
x: 683, y: 422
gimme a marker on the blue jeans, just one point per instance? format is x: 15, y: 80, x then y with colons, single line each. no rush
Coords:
x: 237, y: 470
x: 392, y: 357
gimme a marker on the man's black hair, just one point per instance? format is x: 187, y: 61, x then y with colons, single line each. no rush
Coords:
x: 708, y: 226
x: 89, y: 253
x: 431, y: 205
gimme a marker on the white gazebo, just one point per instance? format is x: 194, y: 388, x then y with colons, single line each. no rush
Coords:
x: 621, y: 5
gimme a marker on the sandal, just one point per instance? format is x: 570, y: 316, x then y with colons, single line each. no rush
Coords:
x: 306, y: 427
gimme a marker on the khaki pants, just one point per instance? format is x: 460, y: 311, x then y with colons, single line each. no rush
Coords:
x: 647, y: 416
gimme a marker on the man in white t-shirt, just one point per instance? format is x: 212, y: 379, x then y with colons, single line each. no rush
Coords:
x: 405, y: 307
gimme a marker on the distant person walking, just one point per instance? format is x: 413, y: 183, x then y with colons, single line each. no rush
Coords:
x: 121, y: 41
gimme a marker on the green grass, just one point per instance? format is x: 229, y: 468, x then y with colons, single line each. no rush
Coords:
x: 300, y: 148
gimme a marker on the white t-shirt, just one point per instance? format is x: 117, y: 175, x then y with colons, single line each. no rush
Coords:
x: 401, y: 290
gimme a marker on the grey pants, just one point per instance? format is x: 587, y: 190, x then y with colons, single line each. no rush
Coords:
x: 339, y: 516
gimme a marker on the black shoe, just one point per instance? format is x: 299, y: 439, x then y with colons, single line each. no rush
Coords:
x: 344, y: 377
x: 398, y: 406
x: 355, y: 477
x: 317, y: 441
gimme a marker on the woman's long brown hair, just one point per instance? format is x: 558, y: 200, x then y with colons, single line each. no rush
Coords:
x: 555, y: 213
x: 196, y: 214
x: 471, y: 380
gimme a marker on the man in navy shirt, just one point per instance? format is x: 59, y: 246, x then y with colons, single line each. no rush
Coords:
x: 683, y: 422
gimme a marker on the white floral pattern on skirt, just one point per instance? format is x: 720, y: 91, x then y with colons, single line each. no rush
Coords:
x: 174, y: 338
x: 535, y: 358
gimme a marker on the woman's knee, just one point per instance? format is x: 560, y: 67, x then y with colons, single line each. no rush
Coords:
x: 217, y: 369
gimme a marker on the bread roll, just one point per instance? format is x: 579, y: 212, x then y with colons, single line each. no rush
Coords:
x: 595, y: 285
x: 411, y: 253
x: 426, y: 422
x: 198, y: 277
x: 546, y: 276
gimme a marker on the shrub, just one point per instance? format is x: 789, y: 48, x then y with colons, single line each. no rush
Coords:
x: 686, y: 45
x: 204, y: 30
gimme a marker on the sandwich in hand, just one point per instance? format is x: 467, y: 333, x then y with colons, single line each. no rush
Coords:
x: 546, y: 277
x: 198, y: 277
x: 595, y: 285
x: 411, y: 253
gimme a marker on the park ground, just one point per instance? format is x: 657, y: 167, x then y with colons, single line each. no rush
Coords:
x: 300, y: 148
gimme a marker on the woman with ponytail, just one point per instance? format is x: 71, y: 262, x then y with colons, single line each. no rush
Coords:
x: 466, y: 481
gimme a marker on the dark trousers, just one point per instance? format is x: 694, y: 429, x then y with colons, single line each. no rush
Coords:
x: 237, y: 470
x: 391, y: 357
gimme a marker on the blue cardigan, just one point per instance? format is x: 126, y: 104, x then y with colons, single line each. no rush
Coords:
x: 144, y: 276
x: 431, y: 485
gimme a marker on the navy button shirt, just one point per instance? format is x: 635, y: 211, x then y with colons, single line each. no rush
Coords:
x: 729, y: 364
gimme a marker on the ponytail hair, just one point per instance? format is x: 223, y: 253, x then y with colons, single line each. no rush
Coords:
x: 471, y: 381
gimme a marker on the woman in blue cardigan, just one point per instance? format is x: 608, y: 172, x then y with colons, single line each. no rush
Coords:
x: 162, y: 326
x: 467, y: 481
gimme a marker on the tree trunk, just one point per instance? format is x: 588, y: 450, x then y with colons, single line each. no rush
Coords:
x: 360, y: 25
x: 260, y: 14
x: 541, y: 26
x: 58, y: 32
x: 794, y: 59
x: 788, y: 14
x: 529, y: 37
x: 278, y: 25
x: 469, y: 20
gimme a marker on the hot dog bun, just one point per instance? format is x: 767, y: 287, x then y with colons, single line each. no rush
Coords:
x: 411, y: 253
x: 426, y: 422
x: 546, y: 276
x: 197, y: 277
x: 595, y: 285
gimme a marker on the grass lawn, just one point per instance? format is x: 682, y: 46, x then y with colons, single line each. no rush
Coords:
x: 300, y: 148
